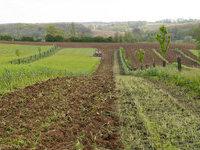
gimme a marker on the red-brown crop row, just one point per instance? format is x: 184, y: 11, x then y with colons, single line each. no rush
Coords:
x: 151, y: 56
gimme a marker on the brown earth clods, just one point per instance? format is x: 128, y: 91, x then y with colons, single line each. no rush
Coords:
x: 63, y: 113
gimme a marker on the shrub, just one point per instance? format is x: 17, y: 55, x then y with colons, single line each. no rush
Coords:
x: 27, y: 38
x: 17, y: 53
x: 140, y: 55
x: 6, y: 38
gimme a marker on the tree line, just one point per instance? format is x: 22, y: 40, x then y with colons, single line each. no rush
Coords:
x: 56, y: 34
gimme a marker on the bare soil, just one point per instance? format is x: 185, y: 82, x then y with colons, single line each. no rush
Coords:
x: 63, y: 113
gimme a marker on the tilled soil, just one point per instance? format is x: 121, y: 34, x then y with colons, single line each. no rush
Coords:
x: 63, y: 113
x: 172, y: 57
x: 149, y: 58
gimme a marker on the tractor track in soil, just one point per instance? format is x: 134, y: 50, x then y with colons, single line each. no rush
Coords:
x: 59, y: 113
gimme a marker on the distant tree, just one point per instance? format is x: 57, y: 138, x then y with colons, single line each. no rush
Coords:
x: 27, y: 38
x: 91, y: 39
x: 128, y: 37
x: 52, y: 30
x: 59, y: 38
x: 110, y: 39
x: 72, y: 30
x: 140, y: 56
x: 6, y: 38
x: 164, y: 39
x: 116, y: 37
x: 54, y: 34
x: 150, y: 37
x: 51, y: 38
x: 137, y: 34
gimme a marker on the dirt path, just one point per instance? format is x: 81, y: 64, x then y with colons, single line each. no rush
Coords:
x: 152, y: 118
x: 64, y: 113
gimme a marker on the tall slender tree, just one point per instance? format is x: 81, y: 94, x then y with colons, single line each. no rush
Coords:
x: 164, y: 40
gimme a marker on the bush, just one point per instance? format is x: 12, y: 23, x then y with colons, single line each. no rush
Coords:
x: 26, y: 38
x: 91, y: 39
x: 140, y: 55
x: 52, y: 38
x: 6, y: 38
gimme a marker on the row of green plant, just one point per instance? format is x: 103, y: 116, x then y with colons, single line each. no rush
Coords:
x: 188, y: 78
x: 51, y: 51
x: 164, y: 40
x: 125, y: 67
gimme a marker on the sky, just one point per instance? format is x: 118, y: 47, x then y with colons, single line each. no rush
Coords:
x: 43, y: 11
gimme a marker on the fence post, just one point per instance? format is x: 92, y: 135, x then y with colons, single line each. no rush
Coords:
x: 141, y: 67
x: 154, y: 64
x: 179, y: 63
x: 164, y: 63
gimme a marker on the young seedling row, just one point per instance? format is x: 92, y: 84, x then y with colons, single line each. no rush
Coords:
x: 51, y: 51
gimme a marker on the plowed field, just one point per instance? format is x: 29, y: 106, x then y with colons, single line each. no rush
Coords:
x: 63, y: 113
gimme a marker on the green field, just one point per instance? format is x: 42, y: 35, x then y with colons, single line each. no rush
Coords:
x: 195, y: 52
x: 188, y: 78
x: 67, y: 62
x: 7, y: 51
x: 153, y: 118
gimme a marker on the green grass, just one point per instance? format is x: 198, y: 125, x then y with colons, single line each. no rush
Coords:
x: 67, y: 62
x: 195, y: 52
x: 152, y: 117
x: 188, y: 77
x: 7, y: 51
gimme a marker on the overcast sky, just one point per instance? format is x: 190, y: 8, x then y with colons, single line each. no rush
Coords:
x: 36, y: 11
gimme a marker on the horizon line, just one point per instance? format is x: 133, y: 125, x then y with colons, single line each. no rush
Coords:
x: 52, y: 22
